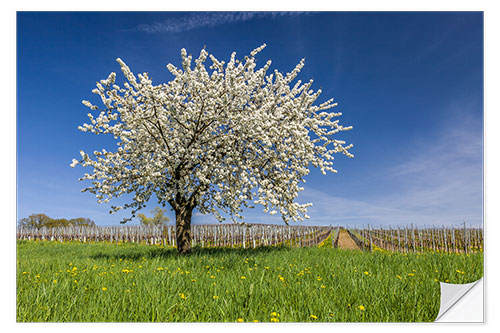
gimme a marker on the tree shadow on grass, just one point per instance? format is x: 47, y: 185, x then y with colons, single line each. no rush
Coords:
x: 166, y: 253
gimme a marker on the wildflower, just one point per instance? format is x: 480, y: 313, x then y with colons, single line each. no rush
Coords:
x: 104, y: 288
x: 313, y: 317
x: 212, y: 277
x: 55, y: 281
x: 411, y: 274
x: 182, y: 296
x: 323, y: 286
x: 243, y: 277
x: 265, y: 267
x: 255, y: 321
x: 275, y: 320
x: 193, y: 280
x: 366, y: 273
x: 399, y: 277
x: 331, y: 314
x: 275, y: 314
x: 319, y: 278
x: 239, y: 320
x: 361, y: 307
x: 76, y: 281
x: 215, y: 297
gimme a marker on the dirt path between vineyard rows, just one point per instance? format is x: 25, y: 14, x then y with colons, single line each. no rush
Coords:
x: 346, y: 242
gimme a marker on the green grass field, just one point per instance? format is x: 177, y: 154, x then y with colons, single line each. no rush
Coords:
x: 74, y: 282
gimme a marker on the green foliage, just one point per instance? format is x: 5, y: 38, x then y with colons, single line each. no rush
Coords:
x: 157, y: 220
x: 76, y: 282
x: 41, y: 220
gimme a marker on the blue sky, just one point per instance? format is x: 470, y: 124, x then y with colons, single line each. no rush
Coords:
x: 411, y: 85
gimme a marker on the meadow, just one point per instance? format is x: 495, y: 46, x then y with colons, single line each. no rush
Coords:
x: 126, y: 282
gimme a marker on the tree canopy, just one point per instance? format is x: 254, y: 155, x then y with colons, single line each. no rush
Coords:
x: 218, y: 139
x: 41, y: 220
x: 158, y: 218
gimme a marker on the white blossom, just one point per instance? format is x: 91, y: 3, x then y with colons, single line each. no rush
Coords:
x: 216, y: 139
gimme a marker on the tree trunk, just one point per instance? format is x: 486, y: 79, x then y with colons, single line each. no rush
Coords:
x: 183, y: 229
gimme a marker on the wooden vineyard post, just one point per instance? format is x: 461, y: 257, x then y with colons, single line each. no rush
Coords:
x: 413, y: 238
x: 232, y: 236
x: 244, y: 237
x: 465, y: 239
x: 370, y: 237
x: 453, y: 239
x: 252, y: 230
x: 399, y: 241
x: 432, y: 237
x: 445, y: 238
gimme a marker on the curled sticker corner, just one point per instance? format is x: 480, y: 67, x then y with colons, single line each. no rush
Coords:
x: 451, y: 294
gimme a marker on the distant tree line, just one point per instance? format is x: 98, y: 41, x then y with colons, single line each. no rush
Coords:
x: 41, y: 220
x: 159, y: 219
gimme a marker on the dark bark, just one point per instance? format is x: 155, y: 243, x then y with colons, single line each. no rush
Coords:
x: 183, y: 228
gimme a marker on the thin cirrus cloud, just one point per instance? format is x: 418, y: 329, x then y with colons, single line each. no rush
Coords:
x: 206, y: 20
x: 439, y: 182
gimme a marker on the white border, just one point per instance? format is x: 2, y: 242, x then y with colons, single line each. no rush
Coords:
x: 8, y: 147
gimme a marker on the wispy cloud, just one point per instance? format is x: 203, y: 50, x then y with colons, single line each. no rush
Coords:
x: 206, y: 20
x: 440, y: 182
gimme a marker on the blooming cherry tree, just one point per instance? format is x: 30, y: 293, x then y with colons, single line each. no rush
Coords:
x: 215, y: 139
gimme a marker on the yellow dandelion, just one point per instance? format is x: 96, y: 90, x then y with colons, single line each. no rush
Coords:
x: 239, y: 320
x: 313, y: 317
x: 104, y: 288
x: 215, y: 297
x: 275, y: 320
x: 275, y: 314
x: 411, y: 274
x: 243, y: 277
x: 55, y: 281
x: 361, y: 307
x: 323, y: 286
x: 331, y: 314
x: 399, y: 277
x: 366, y: 273
x: 212, y: 277
x: 181, y: 295
x: 193, y: 280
